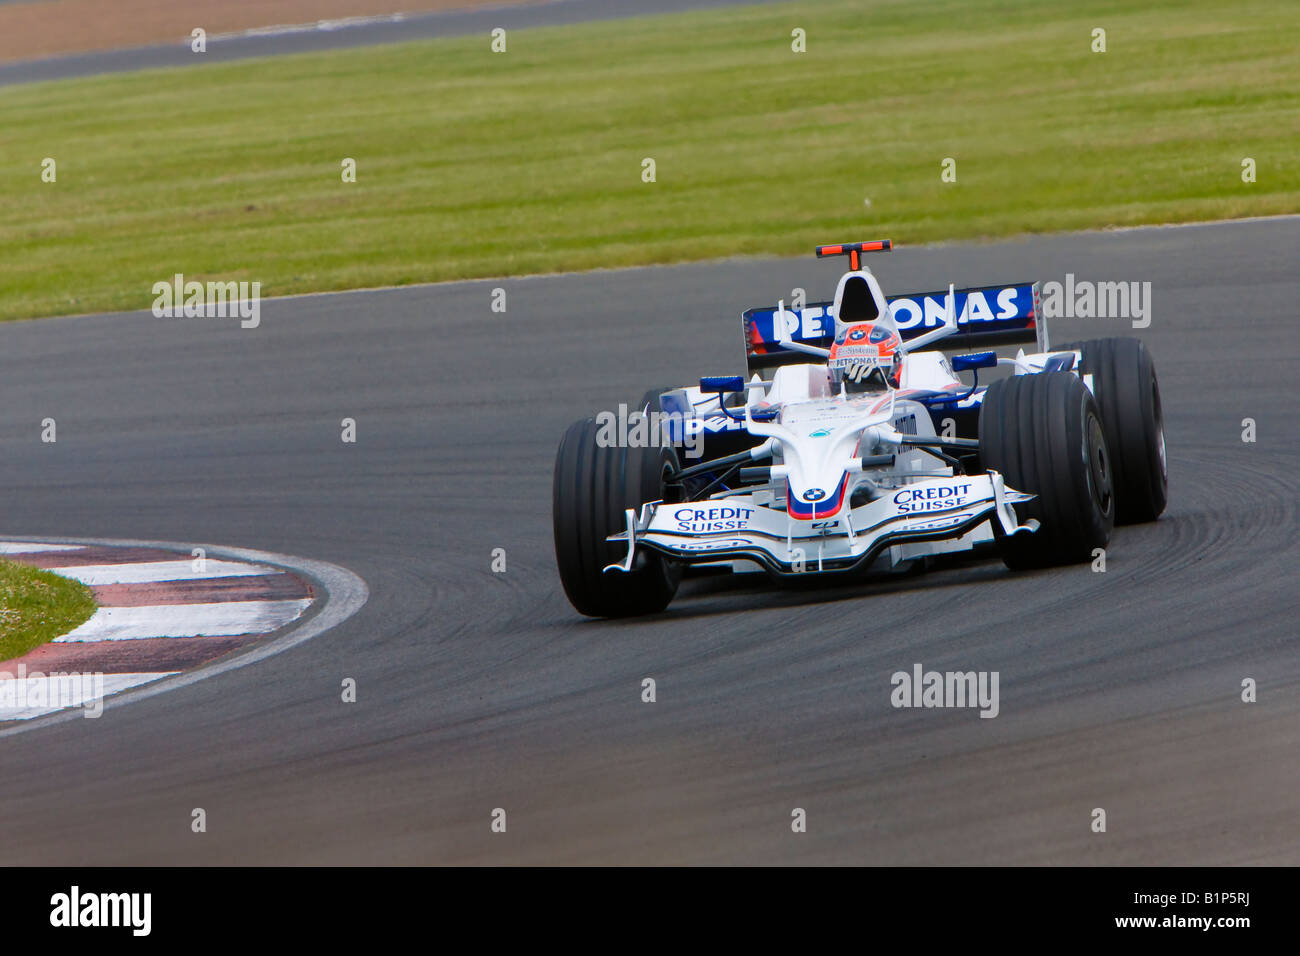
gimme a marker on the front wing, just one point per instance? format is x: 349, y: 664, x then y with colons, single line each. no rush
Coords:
x: 738, y: 527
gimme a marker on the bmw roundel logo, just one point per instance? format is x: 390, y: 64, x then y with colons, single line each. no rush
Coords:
x: 858, y: 334
x: 814, y: 494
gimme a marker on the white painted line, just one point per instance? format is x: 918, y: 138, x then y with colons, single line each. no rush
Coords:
x: 185, y: 620
x: 145, y: 572
x: 36, y: 696
x: 283, y: 29
x: 1197, y: 224
x: 35, y: 547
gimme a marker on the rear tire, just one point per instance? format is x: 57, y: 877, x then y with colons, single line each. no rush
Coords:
x: 592, y: 487
x: 1044, y: 434
x: 650, y: 400
x: 1128, y: 395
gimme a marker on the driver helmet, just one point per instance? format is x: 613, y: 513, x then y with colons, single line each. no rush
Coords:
x: 866, y: 357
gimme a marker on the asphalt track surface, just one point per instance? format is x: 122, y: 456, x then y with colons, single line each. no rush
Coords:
x: 479, y: 690
x: 414, y: 26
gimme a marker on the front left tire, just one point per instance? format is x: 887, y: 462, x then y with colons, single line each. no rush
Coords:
x: 1128, y: 394
x: 1044, y: 434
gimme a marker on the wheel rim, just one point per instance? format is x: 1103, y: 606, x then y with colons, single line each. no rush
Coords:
x: 1160, y: 429
x: 1099, y: 479
x: 669, y: 493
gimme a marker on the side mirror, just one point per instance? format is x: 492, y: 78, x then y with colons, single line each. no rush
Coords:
x: 962, y: 363
x: 722, y: 383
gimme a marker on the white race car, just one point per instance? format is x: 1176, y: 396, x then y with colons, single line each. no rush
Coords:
x: 853, y: 445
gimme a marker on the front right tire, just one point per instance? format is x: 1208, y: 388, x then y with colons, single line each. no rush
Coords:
x: 593, y: 484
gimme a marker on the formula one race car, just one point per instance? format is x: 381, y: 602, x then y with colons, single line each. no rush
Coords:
x: 853, y: 445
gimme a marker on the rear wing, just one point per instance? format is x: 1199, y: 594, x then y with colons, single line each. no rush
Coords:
x: 986, y: 315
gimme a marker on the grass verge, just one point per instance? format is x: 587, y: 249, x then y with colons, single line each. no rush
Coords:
x: 472, y: 163
x: 37, y: 606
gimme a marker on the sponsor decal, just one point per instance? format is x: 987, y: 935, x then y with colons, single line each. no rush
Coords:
x: 814, y: 503
x: 819, y: 433
x: 930, y: 311
x: 808, y: 416
x: 705, y: 520
x: 1011, y: 305
x: 813, y: 322
x: 711, y: 545
x: 857, y: 351
x: 933, y: 498
x: 723, y: 423
x: 934, y: 524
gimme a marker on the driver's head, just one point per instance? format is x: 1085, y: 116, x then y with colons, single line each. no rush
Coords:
x: 866, y: 357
